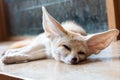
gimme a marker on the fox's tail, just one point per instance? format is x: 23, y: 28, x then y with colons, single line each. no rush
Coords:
x: 19, y: 44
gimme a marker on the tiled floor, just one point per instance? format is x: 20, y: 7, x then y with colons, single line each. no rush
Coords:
x: 105, y: 66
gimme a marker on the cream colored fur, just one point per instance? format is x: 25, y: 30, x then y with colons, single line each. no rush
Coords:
x: 66, y: 42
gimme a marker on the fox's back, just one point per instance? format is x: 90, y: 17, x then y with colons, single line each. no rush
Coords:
x: 72, y: 26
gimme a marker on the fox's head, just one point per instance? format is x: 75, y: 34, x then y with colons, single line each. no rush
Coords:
x: 71, y: 47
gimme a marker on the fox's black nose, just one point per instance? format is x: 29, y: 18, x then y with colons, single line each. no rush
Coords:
x: 74, y: 60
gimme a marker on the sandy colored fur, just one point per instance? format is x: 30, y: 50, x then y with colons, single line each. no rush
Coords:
x: 19, y: 44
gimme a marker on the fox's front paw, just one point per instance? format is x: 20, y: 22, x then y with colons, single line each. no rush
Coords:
x: 7, y: 60
x: 16, y: 58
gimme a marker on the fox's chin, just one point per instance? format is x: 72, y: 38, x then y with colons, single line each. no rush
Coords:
x: 71, y: 63
x: 65, y: 61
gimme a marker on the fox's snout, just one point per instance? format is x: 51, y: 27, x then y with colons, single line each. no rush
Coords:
x: 74, y: 60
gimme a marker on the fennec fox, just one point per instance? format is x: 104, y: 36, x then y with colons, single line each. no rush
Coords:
x: 66, y: 42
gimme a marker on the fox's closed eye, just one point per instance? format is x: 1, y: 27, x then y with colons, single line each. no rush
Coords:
x: 66, y: 47
x: 80, y: 52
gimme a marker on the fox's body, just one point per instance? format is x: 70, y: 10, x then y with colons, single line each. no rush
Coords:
x: 66, y: 42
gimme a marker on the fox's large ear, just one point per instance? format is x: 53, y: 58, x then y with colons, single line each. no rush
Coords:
x: 100, y: 41
x: 51, y: 26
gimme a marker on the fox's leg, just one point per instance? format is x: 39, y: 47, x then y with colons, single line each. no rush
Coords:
x: 22, y: 56
x: 36, y: 50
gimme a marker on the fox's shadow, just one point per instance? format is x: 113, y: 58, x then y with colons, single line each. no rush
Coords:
x: 95, y: 60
